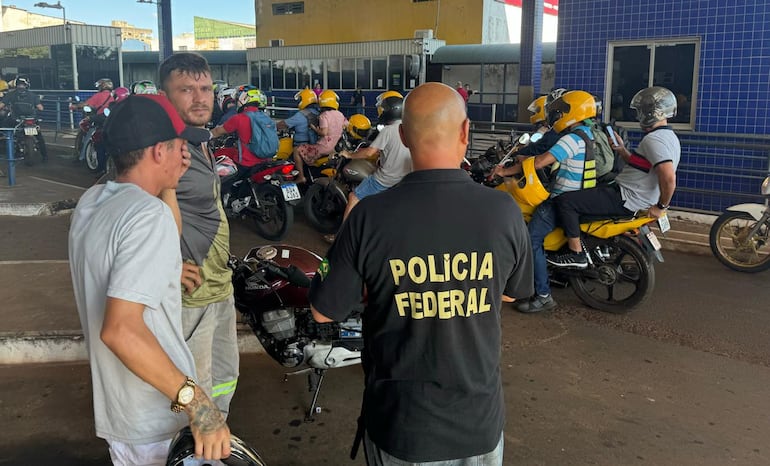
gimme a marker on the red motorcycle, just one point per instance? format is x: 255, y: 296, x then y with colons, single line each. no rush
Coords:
x: 271, y: 292
x: 264, y: 193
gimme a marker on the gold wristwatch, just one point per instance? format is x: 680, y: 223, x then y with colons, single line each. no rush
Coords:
x: 184, y: 396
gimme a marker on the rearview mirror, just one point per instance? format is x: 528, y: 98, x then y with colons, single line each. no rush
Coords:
x: 87, y: 109
x: 524, y: 139
x: 536, y: 137
x: 77, y: 98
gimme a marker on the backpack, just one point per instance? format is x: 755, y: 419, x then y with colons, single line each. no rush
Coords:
x: 601, y: 149
x: 264, y: 136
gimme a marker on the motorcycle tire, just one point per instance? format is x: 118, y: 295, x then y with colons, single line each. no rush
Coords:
x: 29, y: 150
x: 274, y: 215
x: 91, y: 157
x: 734, y: 250
x: 617, y: 282
x: 324, y: 208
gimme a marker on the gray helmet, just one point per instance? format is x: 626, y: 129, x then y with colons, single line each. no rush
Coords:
x: 653, y: 104
x: 183, y: 447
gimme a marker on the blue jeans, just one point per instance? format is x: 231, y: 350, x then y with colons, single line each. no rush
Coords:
x: 543, y: 222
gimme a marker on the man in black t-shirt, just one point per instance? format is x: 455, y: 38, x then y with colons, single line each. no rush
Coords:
x: 433, y: 257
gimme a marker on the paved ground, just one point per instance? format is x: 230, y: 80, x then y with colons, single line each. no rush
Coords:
x: 679, y: 381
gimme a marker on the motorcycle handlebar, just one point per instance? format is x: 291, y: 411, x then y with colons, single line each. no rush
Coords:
x: 291, y: 273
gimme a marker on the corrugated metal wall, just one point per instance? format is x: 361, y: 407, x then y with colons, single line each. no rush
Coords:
x: 349, y: 50
x: 54, y: 35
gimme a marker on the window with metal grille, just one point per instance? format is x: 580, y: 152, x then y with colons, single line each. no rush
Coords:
x: 288, y: 8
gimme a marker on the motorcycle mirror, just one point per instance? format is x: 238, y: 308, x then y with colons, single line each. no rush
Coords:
x: 106, y: 112
x: 86, y: 108
x: 536, y: 137
x: 77, y: 98
x: 524, y: 139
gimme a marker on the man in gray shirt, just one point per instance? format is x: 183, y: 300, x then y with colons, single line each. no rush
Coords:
x: 125, y: 264
x: 394, y: 161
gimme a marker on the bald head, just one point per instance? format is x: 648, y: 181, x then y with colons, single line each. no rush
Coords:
x: 434, y: 126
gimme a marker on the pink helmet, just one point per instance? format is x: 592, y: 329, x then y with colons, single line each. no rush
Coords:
x: 120, y: 94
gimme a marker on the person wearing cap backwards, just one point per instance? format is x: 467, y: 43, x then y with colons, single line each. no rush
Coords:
x: 208, y: 320
x: 125, y: 264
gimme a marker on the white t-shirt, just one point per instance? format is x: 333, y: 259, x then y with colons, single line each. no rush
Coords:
x: 395, y: 161
x: 638, y: 181
x: 124, y: 243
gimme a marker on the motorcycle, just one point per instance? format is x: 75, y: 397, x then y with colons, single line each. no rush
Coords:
x: 271, y: 293
x: 92, y: 136
x: 620, y: 273
x: 26, y: 135
x: 738, y: 236
x: 501, y: 154
x: 327, y: 196
x: 263, y: 193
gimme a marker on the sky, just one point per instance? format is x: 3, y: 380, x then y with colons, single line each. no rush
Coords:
x: 144, y: 15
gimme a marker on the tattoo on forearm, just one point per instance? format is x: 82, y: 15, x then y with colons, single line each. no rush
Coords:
x: 204, y: 415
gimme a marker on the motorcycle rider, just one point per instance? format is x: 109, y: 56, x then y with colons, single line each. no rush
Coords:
x: 21, y: 95
x: 226, y: 100
x: 249, y: 99
x: 393, y: 161
x: 566, y: 114
x: 301, y: 121
x: 99, y: 101
x: 331, y: 123
x: 3, y: 87
x: 647, y: 181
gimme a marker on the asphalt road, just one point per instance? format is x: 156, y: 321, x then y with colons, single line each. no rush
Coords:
x: 681, y: 380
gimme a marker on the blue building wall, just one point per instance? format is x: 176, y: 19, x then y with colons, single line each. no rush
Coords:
x: 733, y: 93
x: 734, y: 80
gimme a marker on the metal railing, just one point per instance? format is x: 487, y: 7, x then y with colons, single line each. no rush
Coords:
x: 716, y: 170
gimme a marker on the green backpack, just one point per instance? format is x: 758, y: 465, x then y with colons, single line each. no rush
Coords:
x: 602, y: 151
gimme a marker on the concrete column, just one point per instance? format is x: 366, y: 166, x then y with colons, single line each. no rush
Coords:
x: 530, y: 62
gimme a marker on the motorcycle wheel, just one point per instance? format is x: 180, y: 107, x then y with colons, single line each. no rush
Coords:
x: 91, y: 157
x: 733, y: 247
x: 621, y: 279
x: 29, y: 150
x: 324, y: 208
x: 78, y: 144
x: 274, y: 215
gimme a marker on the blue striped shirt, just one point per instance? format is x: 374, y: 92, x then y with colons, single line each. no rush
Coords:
x: 570, y: 152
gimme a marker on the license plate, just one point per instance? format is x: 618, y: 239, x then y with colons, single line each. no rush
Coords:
x: 290, y: 191
x: 653, y: 240
x: 30, y: 131
x: 664, y: 224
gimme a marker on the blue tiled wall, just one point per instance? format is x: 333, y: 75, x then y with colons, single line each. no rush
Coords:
x: 734, y: 77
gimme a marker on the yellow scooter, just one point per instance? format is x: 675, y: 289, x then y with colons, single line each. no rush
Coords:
x: 620, y: 273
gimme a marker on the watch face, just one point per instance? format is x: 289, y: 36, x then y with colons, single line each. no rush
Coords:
x: 186, y: 395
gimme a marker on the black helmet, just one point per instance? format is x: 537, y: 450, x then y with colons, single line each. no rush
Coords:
x: 22, y: 83
x: 183, y: 447
x: 389, y: 106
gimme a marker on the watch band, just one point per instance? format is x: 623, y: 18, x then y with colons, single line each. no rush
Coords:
x: 661, y: 206
x: 176, y: 405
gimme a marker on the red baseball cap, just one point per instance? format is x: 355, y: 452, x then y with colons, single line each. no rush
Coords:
x: 143, y: 120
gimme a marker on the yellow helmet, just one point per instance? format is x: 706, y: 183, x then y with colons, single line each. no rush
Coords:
x: 571, y: 108
x: 537, y: 108
x: 329, y: 99
x: 389, y: 105
x: 358, y: 126
x: 3, y: 85
x: 305, y: 97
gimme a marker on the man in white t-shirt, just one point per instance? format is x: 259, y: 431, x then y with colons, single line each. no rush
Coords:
x: 647, y: 182
x: 125, y: 263
x: 394, y: 161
